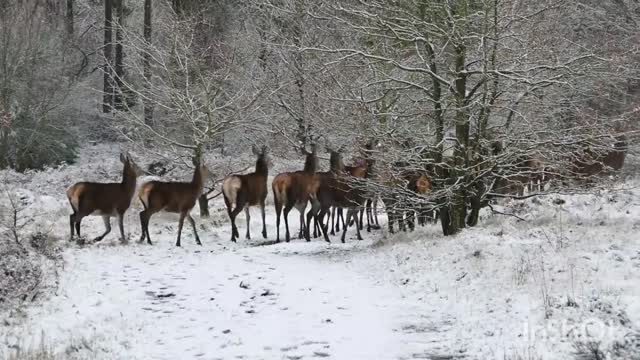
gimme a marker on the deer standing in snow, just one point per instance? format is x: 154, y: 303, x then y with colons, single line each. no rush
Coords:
x: 295, y: 189
x: 174, y: 197
x: 243, y: 191
x: 104, y: 199
x: 336, y: 190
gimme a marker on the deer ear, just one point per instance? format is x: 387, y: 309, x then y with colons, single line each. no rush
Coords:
x: 254, y: 149
x: 123, y: 158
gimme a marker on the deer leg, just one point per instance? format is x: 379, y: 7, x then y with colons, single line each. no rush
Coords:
x: 316, y: 227
x: 121, y: 226
x: 367, y: 206
x: 72, y: 221
x: 315, y: 206
x: 234, y: 228
x: 248, y: 216
x: 361, y: 218
x: 78, y: 221
x: 344, y: 228
x: 264, y: 224
x: 411, y: 219
x: 287, y: 236
x: 180, y: 223
x: 278, y: 213
x: 301, y: 207
x: 375, y: 212
x: 390, y: 216
x: 193, y: 226
x: 320, y: 220
x: 301, y: 230
x: 145, y: 215
x: 332, y: 217
x: 107, y: 228
x: 355, y: 213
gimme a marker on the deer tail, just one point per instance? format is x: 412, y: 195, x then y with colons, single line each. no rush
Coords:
x: 230, y: 188
x: 279, y: 193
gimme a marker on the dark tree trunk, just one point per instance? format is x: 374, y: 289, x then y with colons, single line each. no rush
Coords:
x: 146, y: 62
x: 177, y: 6
x: 107, y: 102
x: 203, y: 204
x: 69, y: 18
x: 119, y: 67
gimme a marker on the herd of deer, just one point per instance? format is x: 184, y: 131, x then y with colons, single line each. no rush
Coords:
x: 329, y: 193
x: 323, y: 190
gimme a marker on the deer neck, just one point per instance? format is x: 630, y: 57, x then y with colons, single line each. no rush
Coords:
x: 128, y: 179
x: 261, y: 167
x: 335, y: 162
x: 197, y: 181
x: 310, y: 164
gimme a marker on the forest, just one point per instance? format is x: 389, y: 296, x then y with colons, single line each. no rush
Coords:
x: 484, y: 151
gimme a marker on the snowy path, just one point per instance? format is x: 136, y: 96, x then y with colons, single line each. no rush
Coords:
x: 286, y: 301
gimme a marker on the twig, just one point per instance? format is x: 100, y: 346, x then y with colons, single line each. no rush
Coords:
x: 501, y: 213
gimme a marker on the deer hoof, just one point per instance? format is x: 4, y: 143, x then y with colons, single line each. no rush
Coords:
x: 264, y: 234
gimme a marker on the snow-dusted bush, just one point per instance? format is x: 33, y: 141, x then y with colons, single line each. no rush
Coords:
x: 35, y: 143
x: 20, y: 272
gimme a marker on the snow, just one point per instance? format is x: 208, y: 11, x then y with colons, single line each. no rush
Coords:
x: 503, y: 290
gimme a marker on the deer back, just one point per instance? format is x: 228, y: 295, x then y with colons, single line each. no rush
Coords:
x: 106, y: 198
x: 173, y: 196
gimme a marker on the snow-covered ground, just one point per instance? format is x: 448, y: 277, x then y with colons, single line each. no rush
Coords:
x: 564, y: 282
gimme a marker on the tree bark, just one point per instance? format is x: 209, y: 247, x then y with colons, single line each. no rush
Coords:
x: 119, y: 67
x: 203, y: 204
x: 69, y: 18
x: 107, y: 101
x: 146, y: 61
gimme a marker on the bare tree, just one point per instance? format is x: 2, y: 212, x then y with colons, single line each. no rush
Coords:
x: 119, y: 56
x: 108, y: 88
x: 146, y: 59
x: 443, y: 83
x: 69, y: 18
x: 195, y: 103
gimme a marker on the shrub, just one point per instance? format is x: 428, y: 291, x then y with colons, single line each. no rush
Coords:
x: 34, y: 142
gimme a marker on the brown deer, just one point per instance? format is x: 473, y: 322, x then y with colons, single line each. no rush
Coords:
x: 421, y: 185
x: 173, y: 197
x: 243, y: 191
x: 400, y: 204
x: 104, y: 199
x: 335, y: 190
x: 362, y: 170
x: 295, y: 189
x: 359, y: 170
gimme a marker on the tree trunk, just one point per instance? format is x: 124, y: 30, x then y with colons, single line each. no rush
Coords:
x: 107, y: 101
x: 146, y: 62
x: 119, y: 67
x: 177, y: 6
x: 69, y: 18
x: 203, y: 204
x: 458, y: 201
